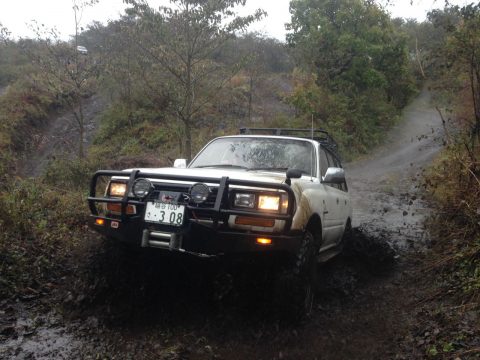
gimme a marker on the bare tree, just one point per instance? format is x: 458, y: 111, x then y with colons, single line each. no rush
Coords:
x: 182, y: 40
x: 4, y: 33
x: 67, y: 67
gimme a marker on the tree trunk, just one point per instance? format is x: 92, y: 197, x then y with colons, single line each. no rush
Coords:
x: 419, y: 61
x: 474, y: 83
x: 81, y: 153
x: 188, y: 142
x: 250, y: 98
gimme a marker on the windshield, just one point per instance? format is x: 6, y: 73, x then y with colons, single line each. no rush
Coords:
x: 258, y: 154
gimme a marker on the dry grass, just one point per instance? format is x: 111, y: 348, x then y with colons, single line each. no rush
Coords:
x: 454, y: 186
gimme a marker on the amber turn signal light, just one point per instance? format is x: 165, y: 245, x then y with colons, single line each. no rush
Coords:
x: 100, y: 222
x: 264, y: 241
x: 253, y: 221
x: 117, y: 208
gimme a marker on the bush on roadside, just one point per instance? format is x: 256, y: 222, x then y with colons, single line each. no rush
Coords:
x: 71, y: 174
x: 453, y: 184
x: 41, y: 224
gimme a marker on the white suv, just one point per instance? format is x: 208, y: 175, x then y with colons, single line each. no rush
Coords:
x: 278, y: 192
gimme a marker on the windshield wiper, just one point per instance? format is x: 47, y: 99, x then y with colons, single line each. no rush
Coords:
x: 275, y: 169
x: 268, y: 168
x: 222, y: 166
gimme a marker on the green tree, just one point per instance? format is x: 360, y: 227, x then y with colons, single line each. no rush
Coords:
x: 423, y: 42
x: 457, y: 59
x: 262, y: 56
x: 466, y: 46
x: 123, y: 70
x: 357, y: 58
x: 181, y: 40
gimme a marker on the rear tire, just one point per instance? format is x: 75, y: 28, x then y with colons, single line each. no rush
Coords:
x: 347, y: 237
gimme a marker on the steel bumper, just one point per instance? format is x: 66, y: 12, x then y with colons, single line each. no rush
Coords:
x: 194, y: 238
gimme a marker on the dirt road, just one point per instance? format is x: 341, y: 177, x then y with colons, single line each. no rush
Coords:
x: 61, y: 138
x: 153, y: 308
x: 384, y: 186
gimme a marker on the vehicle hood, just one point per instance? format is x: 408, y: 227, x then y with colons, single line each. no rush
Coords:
x: 237, y: 174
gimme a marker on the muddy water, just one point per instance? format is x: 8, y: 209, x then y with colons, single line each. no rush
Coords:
x: 32, y: 335
x: 384, y: 187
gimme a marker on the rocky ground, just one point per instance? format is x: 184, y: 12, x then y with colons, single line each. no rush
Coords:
x: 376, y: 301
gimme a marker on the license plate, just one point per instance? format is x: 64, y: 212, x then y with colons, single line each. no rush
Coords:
x: 163, y: 213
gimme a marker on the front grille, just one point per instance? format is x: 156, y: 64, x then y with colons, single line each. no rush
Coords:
x: 155, y: 195
x: 184, y: 191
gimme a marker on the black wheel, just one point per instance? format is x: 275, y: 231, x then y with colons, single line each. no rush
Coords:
x: 347, y: 237
x: 295, y: 286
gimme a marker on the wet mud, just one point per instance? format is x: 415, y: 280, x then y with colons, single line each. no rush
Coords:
x: 386, y: 186
x: 124, y: 304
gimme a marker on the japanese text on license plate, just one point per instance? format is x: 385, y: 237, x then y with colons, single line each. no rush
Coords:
x: 163, y: 213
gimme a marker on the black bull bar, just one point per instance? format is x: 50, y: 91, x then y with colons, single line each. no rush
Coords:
x: 217, y: 211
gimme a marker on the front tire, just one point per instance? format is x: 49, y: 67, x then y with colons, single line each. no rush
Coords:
x: 295, y: 286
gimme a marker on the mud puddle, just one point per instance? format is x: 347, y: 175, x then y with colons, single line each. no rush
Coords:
x: 27, y: 334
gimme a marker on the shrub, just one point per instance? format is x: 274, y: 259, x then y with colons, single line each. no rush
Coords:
x: 453, y: 184
x: 40, y: 226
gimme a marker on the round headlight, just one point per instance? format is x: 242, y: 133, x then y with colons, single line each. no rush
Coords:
x: 199, y: 193
x: 141, y: 188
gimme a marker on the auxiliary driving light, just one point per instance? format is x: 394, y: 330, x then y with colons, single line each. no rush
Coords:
x: 141, y: 188
x: 199, y: 193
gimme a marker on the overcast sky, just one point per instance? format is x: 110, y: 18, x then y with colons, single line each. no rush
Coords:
x: 16, y: 14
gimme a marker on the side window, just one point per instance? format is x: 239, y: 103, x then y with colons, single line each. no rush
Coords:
x: 342, y: 186
x: 324, y: 164
x: 331, y: 159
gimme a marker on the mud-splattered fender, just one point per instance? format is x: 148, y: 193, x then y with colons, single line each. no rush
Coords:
x: 309, y: 202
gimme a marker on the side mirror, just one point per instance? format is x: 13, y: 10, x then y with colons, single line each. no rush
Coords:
x: 293, y: 174
x: 180, y: 163
x: 334, y: 175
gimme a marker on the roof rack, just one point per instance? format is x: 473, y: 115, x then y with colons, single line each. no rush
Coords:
x: 321, y: 136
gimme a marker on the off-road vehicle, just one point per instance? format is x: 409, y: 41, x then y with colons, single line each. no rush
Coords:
x: 278, y: 192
